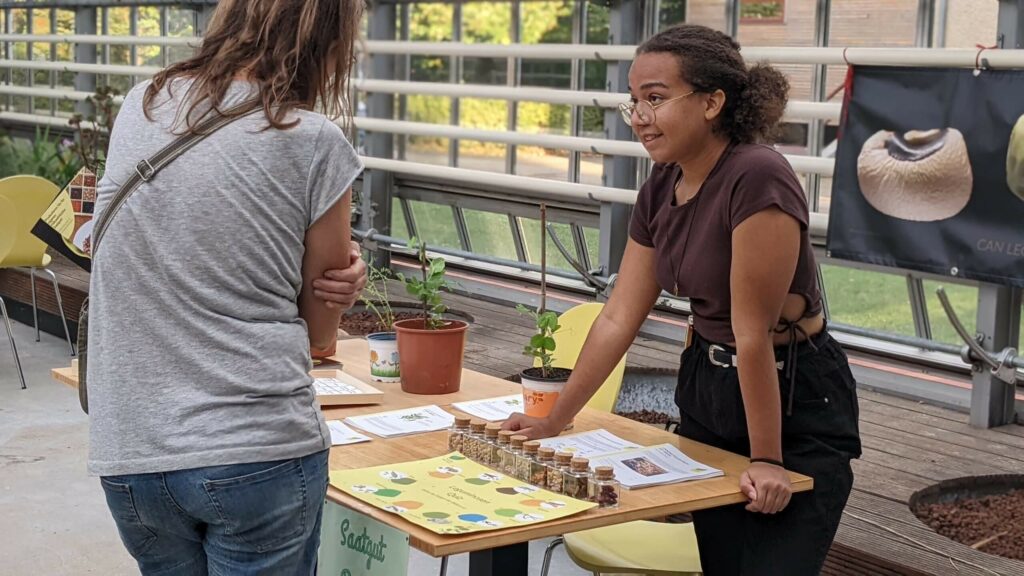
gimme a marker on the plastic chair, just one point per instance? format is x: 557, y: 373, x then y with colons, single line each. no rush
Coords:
x: 575, y: 326
x: 8, y: 220
x: 640, y: 547
x: 30, y: 196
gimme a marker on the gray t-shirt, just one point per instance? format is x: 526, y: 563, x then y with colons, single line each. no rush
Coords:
x: 197, y: 354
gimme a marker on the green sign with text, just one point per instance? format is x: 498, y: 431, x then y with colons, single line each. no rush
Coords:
x: 352, y: 544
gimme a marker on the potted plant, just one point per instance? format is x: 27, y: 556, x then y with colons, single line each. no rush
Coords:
x: 384, y: 366
x: 542, y: 384
x: 431, y: 347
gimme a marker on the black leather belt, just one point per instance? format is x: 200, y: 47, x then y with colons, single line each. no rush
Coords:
x: 722, y: 358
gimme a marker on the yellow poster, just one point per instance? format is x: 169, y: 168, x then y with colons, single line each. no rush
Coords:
x: 454, y: 495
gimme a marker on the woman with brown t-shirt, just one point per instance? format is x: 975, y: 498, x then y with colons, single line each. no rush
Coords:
x: 723, y: 221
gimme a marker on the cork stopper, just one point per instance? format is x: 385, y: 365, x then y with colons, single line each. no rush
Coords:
x: 491, y: 430
x: 505, y: 436
x: 546, y: 454
x: 477, y: 426
x: 462, y: 421
x: 563, y: 458
x: 531, y: 447
x: 580, y: 464
x: 517, y: 441
x: 604, y: 472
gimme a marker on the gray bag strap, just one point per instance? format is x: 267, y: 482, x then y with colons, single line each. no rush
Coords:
x: 148, y: 168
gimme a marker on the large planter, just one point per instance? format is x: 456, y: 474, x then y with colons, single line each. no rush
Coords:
x: 384, y: 356
x: 431, y: 359
x: 540, y: 393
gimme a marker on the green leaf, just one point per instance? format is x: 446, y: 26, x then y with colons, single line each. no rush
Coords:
x: 437, y: 266
x: 537, y: 341
x: 548, y: 343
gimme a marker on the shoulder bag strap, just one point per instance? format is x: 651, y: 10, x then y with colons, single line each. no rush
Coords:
x: 148, y: 168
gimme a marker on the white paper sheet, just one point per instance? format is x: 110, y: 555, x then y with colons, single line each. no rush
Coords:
x: 588, y: 444
x: 493, y: 409
x: 654, y: 465
x: 341, y: 434
x: 402, y: 422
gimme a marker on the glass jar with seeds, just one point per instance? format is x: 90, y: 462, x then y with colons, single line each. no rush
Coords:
x: 475, y: 443
x: 576, y: 484
x: 491, y: 454
x: 557, y: 471
x: 525, y: 460
x: 604, y: 488
x: 511, y: 457
x: 457, y: 434
x: 539, y: 469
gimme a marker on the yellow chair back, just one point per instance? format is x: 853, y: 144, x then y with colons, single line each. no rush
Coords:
x: 575, y: 326
x: 29, y: 196
x: 8, y: 225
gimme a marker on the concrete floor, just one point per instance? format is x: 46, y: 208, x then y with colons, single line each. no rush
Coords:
x: 53, y: 517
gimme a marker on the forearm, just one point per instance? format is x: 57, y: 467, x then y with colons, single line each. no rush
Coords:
x: 605, y: 345
x: 759, y: 385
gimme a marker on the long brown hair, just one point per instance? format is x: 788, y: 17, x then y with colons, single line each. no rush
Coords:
x: 298, y: 52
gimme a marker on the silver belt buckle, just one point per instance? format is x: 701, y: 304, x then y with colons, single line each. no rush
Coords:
x: 711, y: 356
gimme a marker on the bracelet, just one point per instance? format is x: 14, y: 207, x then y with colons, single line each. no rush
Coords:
x: 768, y: 461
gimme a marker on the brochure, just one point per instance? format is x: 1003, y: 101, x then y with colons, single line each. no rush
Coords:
x: 493, y: 409
x: 341, y: 434
x: 635, y: 466
x: 66, y: 225
x: 451, y: 494
x: 402, y: 422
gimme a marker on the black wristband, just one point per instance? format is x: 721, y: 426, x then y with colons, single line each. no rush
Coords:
x: 768, y: 461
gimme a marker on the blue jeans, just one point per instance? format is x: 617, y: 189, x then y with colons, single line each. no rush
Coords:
x: 259, y: 518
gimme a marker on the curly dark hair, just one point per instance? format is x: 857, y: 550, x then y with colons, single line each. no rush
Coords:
x: 710, y: 60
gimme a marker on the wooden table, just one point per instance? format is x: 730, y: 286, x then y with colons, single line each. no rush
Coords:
x: 505, y: 551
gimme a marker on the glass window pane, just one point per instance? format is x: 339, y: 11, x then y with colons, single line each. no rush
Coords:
x: 435, y: 224
x: 431, y: 21
x: 399, y: 227
x: 710, y: 13
x: 593, y: 236
x: 487, y: 22
x: 531, y: 236
x: 969, y: 23
x: 490, y: 234
x: 478, y: 155
x: 672, y: 12
x: 868, y: 299
x: 965, y: 303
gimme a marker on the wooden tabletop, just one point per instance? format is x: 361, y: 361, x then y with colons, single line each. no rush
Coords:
x: 644, y: 503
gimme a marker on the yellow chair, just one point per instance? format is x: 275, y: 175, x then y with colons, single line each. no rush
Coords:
x: 575, y: 326
x: 641, y: 547
x: 30, y: 196
x: 8, y: 234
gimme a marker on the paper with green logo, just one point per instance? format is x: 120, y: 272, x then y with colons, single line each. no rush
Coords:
x: 454, y: 495
x: 353, y: 544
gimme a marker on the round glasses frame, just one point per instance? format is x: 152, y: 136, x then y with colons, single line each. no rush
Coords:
x: 645, y: 111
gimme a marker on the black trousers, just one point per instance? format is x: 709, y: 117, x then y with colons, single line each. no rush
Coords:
x: 819, y: 438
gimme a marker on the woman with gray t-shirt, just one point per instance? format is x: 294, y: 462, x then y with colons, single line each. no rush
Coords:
x: 205, y: 429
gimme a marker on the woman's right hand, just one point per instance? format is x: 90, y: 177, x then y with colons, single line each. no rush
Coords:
x: 532, y: 427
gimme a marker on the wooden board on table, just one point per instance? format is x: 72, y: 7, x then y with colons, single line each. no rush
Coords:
x: 338, y: 388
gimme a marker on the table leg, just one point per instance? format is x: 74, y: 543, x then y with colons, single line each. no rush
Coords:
x: 510, y: 560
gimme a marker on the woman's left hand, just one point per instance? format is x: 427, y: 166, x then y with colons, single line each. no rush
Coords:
x: 767, y: 487
x: 341, y: 288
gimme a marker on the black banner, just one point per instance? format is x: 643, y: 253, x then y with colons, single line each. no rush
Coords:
x: 930, y: 172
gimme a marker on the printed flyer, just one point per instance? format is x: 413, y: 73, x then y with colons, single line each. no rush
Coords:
x: 66, y: 225
x: 453, y: 495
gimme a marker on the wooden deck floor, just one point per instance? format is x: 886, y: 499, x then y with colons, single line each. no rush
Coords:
x: 907, y: 446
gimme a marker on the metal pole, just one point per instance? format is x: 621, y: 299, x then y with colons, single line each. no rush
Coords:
x: 816, y: 128
x: 85, y: 23
x: 918, y: 306
x: 941, y: 24
x: 378, y: 186
x: 455, y: 77
x: 514, y: 71
x: 992, y: 400
x: 925, y: 23
x: 620, y: 172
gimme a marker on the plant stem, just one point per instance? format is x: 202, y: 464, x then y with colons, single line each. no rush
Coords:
x: 543, y: 257
x: 543, y: 272
x: 423, y: 270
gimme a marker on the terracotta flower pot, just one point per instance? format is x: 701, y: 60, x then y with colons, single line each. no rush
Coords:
x: 431, y: 359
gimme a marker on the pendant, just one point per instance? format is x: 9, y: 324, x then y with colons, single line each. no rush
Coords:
x: 675, y: 288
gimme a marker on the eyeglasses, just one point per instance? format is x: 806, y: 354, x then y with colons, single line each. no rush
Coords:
x: 644, y: 109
